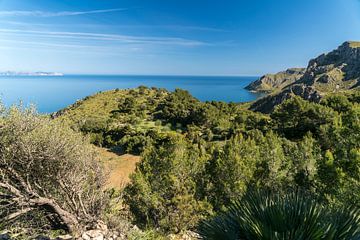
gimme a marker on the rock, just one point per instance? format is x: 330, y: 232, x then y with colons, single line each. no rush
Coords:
x: 267, y: 104
x: 339, y: 65
x: 102, y: 226
x: 192, y: 235
x: 188, y: 235
x: 271, y: 82
x: 64, y: 237
x: 121, y: 236
x: 338, y: 70
x: 93, y: 235
x: 5, y: 236
x: 115, y: 235
x: 135, y: 228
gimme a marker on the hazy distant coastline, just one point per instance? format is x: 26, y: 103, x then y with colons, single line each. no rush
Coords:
x: 12, y: 73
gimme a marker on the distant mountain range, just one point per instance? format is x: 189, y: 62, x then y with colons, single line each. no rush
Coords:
x: 13, y: 73
x: 334, y: 72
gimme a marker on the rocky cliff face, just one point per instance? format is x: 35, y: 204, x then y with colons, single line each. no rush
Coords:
x: 339, y: 67
x: 333, y: 72
x: 271, y: 82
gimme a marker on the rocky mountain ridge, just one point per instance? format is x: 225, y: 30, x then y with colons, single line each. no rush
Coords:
x: 336, y: 71
x: 271, y: 82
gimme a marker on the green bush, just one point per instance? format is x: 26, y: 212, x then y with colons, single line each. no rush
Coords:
x: 163, y: 190
x: 296, y: 117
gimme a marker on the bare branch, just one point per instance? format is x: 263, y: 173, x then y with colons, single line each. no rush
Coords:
x: 18, y: 213
x: 47, y: 168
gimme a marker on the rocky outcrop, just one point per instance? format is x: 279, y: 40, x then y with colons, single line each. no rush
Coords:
x: 340, y: 67
x: 333, y: 72
x: 267, y: 104
x: 271, y: 82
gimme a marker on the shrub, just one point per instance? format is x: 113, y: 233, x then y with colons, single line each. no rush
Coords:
x: 163, y: 190
x: 262, y: 215
x: 47, y: 171
x: 296, y: 117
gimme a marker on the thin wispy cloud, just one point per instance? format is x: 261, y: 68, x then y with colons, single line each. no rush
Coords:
x: 124, y: 26
x: 71, y: 48
x: 56, y: 14
x: 107, y: 37
x: 45, y: 44
x: 186, y: 28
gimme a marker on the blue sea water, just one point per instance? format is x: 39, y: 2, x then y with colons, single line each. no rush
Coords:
x: 51, y: 93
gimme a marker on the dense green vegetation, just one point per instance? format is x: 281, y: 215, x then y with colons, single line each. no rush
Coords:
x: 198, y: 157
x: 131, y: 118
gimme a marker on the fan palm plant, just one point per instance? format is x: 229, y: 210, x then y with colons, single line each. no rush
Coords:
x: 262, y: 215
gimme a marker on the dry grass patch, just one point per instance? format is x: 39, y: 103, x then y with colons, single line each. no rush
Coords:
x: 118, y: 165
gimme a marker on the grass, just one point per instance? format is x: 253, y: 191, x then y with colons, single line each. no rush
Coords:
x: 98, y: 106
x: 118, y: 165
x: 354, y: 44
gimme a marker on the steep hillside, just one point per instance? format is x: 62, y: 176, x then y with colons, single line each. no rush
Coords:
x: 271, y: 82
x: 337, y: 71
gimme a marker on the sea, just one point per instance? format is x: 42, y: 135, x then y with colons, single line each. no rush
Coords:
x: 52, y: 93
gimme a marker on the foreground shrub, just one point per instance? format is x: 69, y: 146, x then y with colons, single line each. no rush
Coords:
x: 261, y: 215
x: 48, y: 174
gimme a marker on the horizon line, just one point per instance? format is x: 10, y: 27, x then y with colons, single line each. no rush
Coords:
x: 134, y: 74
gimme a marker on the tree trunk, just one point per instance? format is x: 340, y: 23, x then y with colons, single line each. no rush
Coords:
x: 68, y: 219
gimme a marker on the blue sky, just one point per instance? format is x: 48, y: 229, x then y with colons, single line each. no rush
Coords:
x: 177, y: 37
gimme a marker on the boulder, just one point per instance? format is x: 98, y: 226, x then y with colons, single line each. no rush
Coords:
x: 93, y: 235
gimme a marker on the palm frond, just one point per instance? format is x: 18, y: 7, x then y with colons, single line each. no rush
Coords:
x: 296, y: 216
